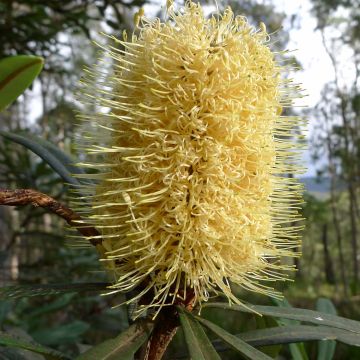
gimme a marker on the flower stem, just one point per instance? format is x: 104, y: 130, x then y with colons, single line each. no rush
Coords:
x: 166, y: 327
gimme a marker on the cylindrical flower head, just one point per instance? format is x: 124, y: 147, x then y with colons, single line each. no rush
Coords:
x: 193, y: 158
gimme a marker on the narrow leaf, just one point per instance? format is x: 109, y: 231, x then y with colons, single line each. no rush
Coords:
x: 293, y: 334
x: 199, y: 345
x: 264, y: 322
x: 298, y: 333
x: 234, y: 342
x: 59, y: 161
x: 309, y: 316
x: 16, y: 74
x: 326, y: 306
x: 284, y: 303
x: 326, y: 349
x: 297, y: 350
x: 15, y: 341
x: 20, y: 291
x: 123, y: 346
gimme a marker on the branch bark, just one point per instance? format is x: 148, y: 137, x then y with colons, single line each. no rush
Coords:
x: 166, y: 327
x: 21, y: 197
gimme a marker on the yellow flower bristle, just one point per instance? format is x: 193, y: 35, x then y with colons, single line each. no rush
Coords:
x: 193, y: 156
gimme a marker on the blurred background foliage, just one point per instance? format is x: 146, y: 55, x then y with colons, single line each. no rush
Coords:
x: 33, y: 245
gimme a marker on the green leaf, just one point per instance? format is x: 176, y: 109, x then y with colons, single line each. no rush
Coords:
x: 236, y: 343
x: 284, y: 303
x: 264, y: 322
x: 61, y: 334
x: 15, y: 341
x: 59, y: 161
x: 16, y: 74
x: 309, y: 316
x: 293, y: 334
x: 298, y: 351
x: 326, y: 306
x: 298, y: 333
x: 20, y: 291
x: 199, y: 345
x: 123, y: 346
x: 326, y: 349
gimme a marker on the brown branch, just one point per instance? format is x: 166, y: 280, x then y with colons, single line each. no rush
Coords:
x: 166, y: 327
x: 38, y: 199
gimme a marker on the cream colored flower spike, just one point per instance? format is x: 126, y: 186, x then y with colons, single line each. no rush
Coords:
x: 193, y: 158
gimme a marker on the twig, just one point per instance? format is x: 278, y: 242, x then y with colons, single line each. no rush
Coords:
x: 36, y: 198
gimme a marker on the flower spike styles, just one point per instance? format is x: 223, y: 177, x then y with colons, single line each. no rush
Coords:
x: 192, y: 158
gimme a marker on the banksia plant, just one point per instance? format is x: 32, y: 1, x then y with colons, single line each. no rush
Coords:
x: 188, y: 193
x: 192, y: 157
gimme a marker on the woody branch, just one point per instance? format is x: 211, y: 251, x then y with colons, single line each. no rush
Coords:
x: 21, y: 197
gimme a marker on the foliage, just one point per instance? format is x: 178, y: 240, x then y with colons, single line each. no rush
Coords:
x: 32, y: 27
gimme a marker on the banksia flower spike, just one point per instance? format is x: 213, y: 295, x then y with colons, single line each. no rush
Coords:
x: 192, y: 156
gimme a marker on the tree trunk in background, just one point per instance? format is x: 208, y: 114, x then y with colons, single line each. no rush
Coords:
x: 349, y: 176
x: 354, y: 231
x: 334, y: 203
x: 5, y: 218
x: 329, y: 270
x: 339, y: 242
x: 15, y: 252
